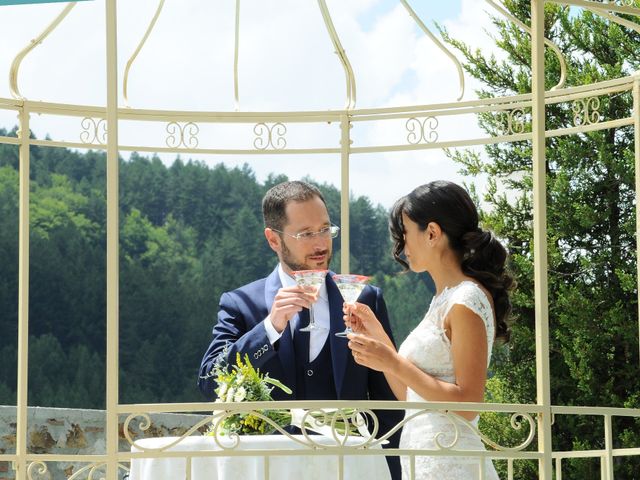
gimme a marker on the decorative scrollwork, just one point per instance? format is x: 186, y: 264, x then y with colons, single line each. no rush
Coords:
x: 90, y: 469
x: 39, y: 469
x: 326, y: 422
x: 417, y: 129
x: 330, y: 423
x: 516, y: 422
x: 94, y: 468
x: 454, y: 422
x: 585, y: 111
x: 182, y: 135
x: 270, y: 136
x: 94, y: 132
x: 146, y: 423
x: 626, y: 3
x: 515, y: 120
x: 310, y: 422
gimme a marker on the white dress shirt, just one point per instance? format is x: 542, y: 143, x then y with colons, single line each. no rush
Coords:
x: 317, y: 338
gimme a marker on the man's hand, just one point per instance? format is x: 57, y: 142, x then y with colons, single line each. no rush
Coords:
x: 289, y: 301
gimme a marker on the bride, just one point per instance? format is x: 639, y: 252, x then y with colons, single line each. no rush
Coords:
x: 445, y: 357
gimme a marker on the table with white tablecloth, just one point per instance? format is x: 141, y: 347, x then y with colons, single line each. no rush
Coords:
x: 281, y: 466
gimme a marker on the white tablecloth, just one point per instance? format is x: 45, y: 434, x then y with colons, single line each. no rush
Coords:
x: 282, y: 467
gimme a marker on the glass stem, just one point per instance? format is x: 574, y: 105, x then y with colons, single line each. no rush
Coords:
x: 312, y: 321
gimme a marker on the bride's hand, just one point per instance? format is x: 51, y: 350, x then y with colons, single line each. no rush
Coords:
x: 372, y: 353
x: 365, y: 322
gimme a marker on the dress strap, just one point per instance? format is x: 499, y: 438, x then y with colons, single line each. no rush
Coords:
x: 470, y: 295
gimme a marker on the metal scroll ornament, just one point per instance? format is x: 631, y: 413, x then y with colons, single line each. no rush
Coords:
x: 422, y: 130
x: 93, y: 131
x: 585, y: 111
x: 270, y: 136
x: 37, y: 471
x: 144, y: 425
x: 93, y: 471
x: 515, y: 121
x: 448, y: 437
x: 182, y: 136
x: 330, y: 423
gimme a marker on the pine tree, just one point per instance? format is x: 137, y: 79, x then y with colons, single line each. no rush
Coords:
x: 591, y: 222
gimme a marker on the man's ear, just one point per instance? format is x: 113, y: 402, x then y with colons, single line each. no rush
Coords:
x: 273, y: 239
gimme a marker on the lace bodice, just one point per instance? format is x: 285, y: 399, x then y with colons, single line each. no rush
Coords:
x: 428, y: 346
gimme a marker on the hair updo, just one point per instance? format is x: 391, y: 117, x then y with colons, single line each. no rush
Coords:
x: 482, y: 256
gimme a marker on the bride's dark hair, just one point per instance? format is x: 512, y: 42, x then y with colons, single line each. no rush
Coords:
x: 483, y: 257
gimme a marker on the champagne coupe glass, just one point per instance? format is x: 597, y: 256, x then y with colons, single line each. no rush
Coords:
x: 314, y: 279
x: 350, y: 287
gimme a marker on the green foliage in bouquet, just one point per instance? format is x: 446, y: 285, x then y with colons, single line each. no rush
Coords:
x: 243, y: 383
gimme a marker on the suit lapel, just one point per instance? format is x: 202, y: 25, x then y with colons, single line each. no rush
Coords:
x: 339, y: 348
x: 285, y: 344
x: 271, y: 287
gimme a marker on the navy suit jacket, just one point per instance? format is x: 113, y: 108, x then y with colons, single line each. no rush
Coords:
x: 240, y: 329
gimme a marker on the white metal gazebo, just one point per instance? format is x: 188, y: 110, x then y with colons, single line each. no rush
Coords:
x: 179, y: 132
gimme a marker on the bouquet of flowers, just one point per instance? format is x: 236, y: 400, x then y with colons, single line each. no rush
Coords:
x: 243, y: 383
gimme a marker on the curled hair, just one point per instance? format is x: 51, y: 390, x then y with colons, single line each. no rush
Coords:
x: 481, y: 254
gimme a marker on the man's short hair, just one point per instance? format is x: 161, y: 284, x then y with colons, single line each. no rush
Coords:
x: 275, y: 201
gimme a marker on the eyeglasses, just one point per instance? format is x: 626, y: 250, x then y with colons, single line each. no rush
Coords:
x: 331, y: 231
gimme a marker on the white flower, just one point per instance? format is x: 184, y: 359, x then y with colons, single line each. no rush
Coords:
x: 240, y: 395
x: 230, y: 394
x: 239, y: 379
x: 222, y: 390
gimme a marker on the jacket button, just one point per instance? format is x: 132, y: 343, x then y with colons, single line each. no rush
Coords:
x: 309, y: 373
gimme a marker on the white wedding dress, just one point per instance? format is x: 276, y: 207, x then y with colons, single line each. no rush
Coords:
x: 428, y: 347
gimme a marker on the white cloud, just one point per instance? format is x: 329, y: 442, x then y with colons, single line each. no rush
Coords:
x: 286, y: 62
x: 434, y: 79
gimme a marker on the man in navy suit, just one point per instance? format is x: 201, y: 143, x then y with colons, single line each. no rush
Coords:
x: 262, y: 319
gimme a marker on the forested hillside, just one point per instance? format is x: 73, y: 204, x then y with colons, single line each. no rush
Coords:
x: 188, y: 232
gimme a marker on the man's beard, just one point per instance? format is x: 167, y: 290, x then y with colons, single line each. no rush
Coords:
x: 289, y: 261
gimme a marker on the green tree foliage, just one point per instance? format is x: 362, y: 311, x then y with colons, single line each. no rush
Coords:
x: 188, y: 232
x: 591, y: 231
x: 407, y: 297
x: 8, y: 271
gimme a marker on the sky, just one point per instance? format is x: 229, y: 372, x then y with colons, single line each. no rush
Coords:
x: 286, y: 62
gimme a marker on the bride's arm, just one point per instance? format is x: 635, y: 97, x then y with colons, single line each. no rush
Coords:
x: 379, y: 355
x: 365, y: 324
x: 469, y: 352
x: 398, y: 387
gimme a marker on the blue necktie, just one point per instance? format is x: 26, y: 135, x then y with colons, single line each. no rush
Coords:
x: 301, y: 339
